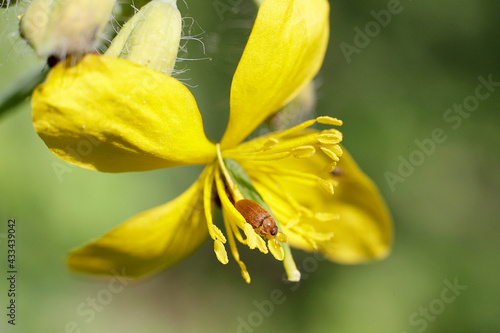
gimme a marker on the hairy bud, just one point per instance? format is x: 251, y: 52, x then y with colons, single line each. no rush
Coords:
x: 65, y: 27
x: 151, y: 37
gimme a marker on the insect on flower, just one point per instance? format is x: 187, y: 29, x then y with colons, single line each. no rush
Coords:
x: 258, y: 217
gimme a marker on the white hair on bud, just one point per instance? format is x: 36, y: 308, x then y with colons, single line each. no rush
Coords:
x: 191, y: 31
x: 10, y: 34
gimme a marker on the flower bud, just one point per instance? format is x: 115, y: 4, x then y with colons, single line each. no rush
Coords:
x: 65, y: 27
x: 151, y: 37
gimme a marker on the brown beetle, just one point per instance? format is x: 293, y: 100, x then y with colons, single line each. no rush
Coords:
x: 257, y: 216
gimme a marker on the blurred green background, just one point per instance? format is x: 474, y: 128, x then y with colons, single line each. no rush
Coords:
x: 392, y: 91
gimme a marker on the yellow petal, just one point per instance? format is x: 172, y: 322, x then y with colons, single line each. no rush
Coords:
x: 351, y: 226
x: 365, y: 228
x: 150, y: 241
x: 284, y: 52
x: 111, y: 115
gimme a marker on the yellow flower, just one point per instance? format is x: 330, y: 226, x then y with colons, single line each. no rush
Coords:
x: 112, y: 115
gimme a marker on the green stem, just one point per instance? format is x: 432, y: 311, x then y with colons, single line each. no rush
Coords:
x: 21, y: 89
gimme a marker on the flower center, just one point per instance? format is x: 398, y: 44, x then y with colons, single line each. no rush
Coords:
x: 273, y: 161
x: 245, y: 210
x: 299, y: 142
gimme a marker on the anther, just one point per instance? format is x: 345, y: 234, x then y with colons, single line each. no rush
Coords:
x: 329, y: 138
x: 270, y: 144
x: 330, y: 154
x: 303, y: 151
x: 329, y: 121
x: 326, y: 185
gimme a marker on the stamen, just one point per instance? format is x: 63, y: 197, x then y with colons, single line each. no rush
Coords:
x: 228, y: 209
x: 215, y: 233
x: 229, y: 181
x: 303, y: 151
x: 329, y: 121
x: 337, y: 150
x: 310, y: 235
x: 329, y: 138
x: 220, y: 252
x: 282, y: 238
x: 295, y: 142
x: 289, y: 264
x: 271, y: 155
x: 330, y: 168
x: 330, y: 154
x: 237, y: 233
x: 295, y: 129
x: 244, y: 272
x: 333, y: 131
x: 326, y: 185
x: 237, y: 221
x: 276, y: 249
x: 298, y: 176
x: 295, y: 223
x: 234, y: 251
x: 307, y: 238
x: 304, y: 139
x: 274, y: 186
x: 257, y: 156
x: 254, y: 240
x: 230, y: 220
x: 270, y: 144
